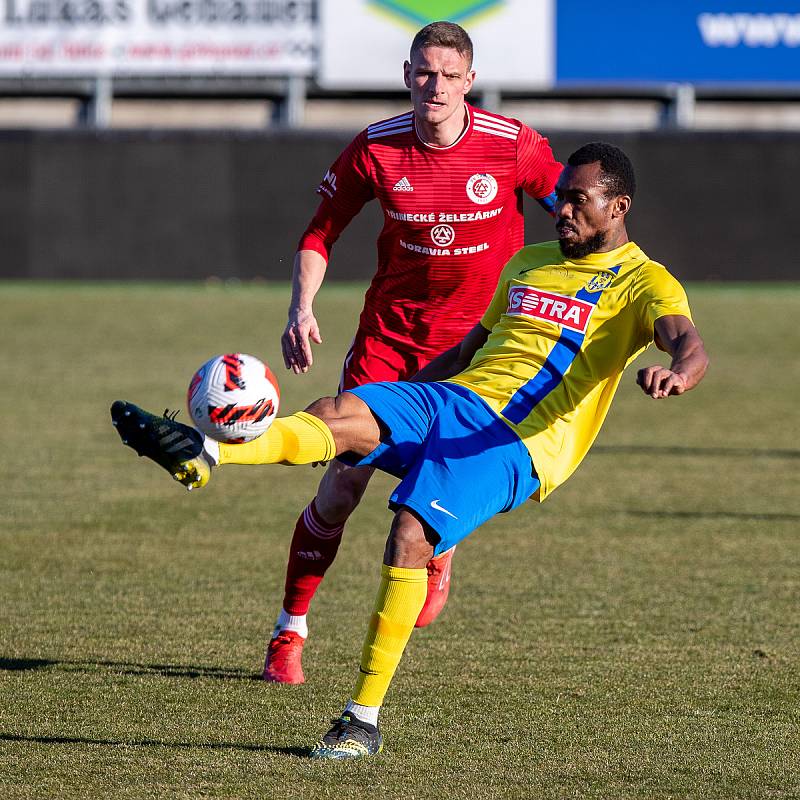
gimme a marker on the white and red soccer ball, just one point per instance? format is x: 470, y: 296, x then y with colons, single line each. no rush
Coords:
x: 233, y: 398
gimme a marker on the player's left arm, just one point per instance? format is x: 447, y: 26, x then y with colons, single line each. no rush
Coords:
x: 675, y: 334
x: 537, y: 168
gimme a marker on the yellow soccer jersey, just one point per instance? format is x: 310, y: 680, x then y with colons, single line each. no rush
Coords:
x: 562, y: 332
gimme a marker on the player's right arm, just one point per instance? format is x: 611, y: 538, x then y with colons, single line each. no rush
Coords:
x: 347, y: 185
x: 302, y: 327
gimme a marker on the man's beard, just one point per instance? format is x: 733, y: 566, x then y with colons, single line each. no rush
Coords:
x: 573, y: 249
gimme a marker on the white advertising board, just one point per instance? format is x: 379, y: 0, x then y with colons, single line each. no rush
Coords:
x: 156, y: 37
x: 363, y: 43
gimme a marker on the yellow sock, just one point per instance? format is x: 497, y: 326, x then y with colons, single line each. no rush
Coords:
x: 299, y: 439
x: 400, y: 599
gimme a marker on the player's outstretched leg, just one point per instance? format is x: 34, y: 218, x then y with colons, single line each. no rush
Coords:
x: 301, y: 438
x: 176, y: 447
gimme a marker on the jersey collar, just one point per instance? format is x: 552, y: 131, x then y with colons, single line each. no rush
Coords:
x: 463, y: 137
x: 626, y: 252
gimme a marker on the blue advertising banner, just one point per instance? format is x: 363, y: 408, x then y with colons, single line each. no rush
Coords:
x: 693, y: 41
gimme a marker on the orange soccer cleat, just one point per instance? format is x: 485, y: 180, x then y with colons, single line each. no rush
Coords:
x: 438, y: 588
x: 283, y: 663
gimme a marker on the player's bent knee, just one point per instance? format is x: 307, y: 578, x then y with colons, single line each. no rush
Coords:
x: 349, y: 405
x: 324, y: 408
x: 351, y: 421
x: 411, y: 541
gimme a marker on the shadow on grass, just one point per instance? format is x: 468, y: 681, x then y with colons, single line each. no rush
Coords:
x: 730, y: 452
x: 128, y: 668
x: 766, y: 516
x: 258, y: 748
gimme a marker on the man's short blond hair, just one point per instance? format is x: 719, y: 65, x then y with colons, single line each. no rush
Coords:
x: 444, y: 34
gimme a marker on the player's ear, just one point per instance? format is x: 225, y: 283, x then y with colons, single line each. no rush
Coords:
x: 469, y: 80
x: 622, y: 205
x: 407, y: 74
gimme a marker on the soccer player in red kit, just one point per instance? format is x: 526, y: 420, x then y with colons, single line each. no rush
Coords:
x: 449, y: 178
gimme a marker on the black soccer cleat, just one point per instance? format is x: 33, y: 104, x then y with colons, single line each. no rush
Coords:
x: 349, y: 738
x: 176, y: 447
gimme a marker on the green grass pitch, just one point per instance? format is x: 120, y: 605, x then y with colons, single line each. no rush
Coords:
x: 636, y: 636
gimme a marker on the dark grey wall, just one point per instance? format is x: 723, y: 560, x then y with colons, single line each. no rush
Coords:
x: 185, y: 205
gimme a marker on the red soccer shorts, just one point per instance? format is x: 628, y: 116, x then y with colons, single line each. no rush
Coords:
x: 372, y: 358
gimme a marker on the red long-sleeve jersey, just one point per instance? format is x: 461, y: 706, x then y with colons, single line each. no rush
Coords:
x: 452, y: 219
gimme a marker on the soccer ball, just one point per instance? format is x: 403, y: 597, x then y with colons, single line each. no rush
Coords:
x: 233, y: 398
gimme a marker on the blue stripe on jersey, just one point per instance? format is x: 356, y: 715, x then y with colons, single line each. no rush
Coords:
x: 551, y: 373
x: 548, y: 203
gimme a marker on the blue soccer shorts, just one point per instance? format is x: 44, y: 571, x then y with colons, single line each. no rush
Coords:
x: 459, y: 463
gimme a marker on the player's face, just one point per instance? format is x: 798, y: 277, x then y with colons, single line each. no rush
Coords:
x: 588, y: 220
x: 439, y: 79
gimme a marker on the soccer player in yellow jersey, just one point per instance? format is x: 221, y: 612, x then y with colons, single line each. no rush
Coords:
x: 518, y: 402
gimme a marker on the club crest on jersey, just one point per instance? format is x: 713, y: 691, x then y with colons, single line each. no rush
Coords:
x: 443, y: 235
x: 600, y: 282
x: 568, y: 312
x: 482, y: 188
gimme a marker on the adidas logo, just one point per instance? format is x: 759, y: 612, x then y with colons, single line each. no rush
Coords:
x: 403, y: 186
x: 310, y: 555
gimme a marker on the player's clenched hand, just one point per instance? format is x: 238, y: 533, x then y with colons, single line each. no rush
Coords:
x: 301, y: 330
x: 658, y: 381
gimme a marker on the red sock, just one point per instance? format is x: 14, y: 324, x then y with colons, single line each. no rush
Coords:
x: 312, y: 551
